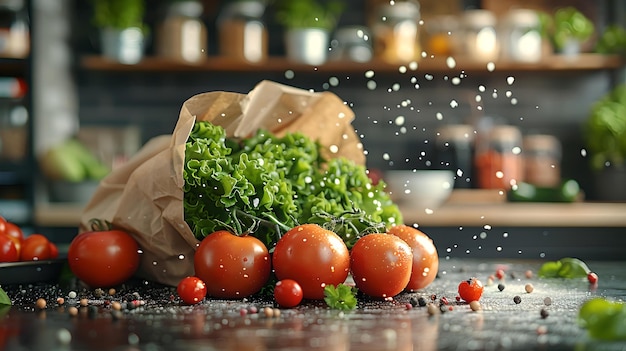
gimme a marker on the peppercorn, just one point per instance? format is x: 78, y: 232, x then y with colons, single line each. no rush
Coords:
x: 475, y: 305
x: 529, y: 288
x: 517, y: 299
x: 547, y: 301
x: 500, y: 286
x: 40, y: 303
x: 413, y: 301
x: 421, y: 301
x: 544, y: 313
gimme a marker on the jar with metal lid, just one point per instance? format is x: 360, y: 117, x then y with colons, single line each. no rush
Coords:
x: 183, y: 34
x: 396, y: 32
x: 480, y: 36
x: 498, y: 159
x: 242, y: 32
x: 521, y: 36
x: 542, y: 160
x: 455, y: 150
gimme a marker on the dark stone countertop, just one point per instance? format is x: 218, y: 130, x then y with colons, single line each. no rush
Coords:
x: 161, y: 322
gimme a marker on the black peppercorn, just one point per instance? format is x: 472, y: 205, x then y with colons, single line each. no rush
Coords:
x: 500, y: 286
x: 544, y: 313
x: 421, y: 302
x: 517, y: 299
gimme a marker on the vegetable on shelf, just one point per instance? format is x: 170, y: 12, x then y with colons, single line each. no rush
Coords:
x: 567, y: 191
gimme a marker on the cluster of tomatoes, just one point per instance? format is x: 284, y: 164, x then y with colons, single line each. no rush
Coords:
x: 308, y: 258
x: 16, y: 247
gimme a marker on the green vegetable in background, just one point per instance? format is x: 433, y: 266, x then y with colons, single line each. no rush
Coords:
x: 567, y: 191
x: 612, y: 41
x: 340, y: 297
x: 567, y: 23
x: 567, y: 267
x: 270, y: 184
x: 605, y: 129
x: 4, y: 298
x: 603, y: 319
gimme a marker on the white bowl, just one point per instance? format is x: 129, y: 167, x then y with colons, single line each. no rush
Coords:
x: 419, y: 189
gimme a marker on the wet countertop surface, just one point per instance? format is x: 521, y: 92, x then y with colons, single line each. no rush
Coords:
x: 152, y: 318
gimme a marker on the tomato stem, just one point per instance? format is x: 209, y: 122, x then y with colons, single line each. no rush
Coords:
x: 100, y: 225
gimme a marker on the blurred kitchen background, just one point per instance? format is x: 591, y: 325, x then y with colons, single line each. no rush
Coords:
x: 432, y: 83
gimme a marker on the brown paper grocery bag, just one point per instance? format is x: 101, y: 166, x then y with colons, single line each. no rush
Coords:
x: 145, y: 196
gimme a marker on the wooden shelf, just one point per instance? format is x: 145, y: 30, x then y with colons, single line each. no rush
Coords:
x: 428, y: 65
x: 579, y: 214
x: 13, y: 67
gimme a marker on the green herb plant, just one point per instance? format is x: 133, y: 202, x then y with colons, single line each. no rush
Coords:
x: 612, y: 41
x: 340, y: 297
x: 308, y: 13
x: 272, y: 184
x: 4, y: 298
x: 567, y: 23
x: 119, y: 14
x: 605, y: 130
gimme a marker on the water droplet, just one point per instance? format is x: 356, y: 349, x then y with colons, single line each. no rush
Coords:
x: 399, y: 120
x: 439, y: 116
x: 181, y: 257
x: 454, y: 104
x: 289, y: 74
x: 371, y: 85
x: 413, y: 65
x: 369, y: 74
x: 451, y: 62
x: 402, y: 69
x: 510, y: 80
x: 583, y: 152
x: 491, y: 66
x: 499, y: 248
x: 333, y: 149
x: 334, y: 81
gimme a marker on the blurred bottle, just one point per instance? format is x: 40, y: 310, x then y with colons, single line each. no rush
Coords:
x: 481, y: 41
x: 521, y: 36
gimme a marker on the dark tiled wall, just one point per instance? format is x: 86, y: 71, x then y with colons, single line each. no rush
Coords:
x: 555, y: 103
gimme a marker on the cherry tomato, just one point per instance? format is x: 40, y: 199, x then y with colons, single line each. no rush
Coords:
x: 471, y: 289
x: 288, y: 293
x: 35, y: 247
x: 2, y: 224
x: 313, y: 257
x: 592, y: 278
x: 232, y: 266
x: 425, y: 257
x: 54, y: 250
x: 103, y: 258
x: 8, y: 251
x: 381, y: 264
x: 191, y: 290
x: 14, y: 232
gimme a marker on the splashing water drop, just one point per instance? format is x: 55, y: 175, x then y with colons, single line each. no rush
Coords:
x: 402, y: 69
x: 508, y: 93
x: 399, y: 120
x: 334, y: 81
x: 499, y: 248
x: 514, y: 101
x: 334, y: 149
x: 371, y: 85
x: 395, y: 87
x: 456, y: 81
x: 491, y: 66
x: 369, y: 74
x: 505, y: 235
x: 510, y: 80
x: 181, y: 257
x: 413, y: 65
x: 289, y: 74
x: 454, y: 104
x: 386, y: 156
x: 439, y: 116
x: 583, y: 152
x: 482, y: 88
x: 451, y: 62
x: 478, y: 98
x: 429, y: 76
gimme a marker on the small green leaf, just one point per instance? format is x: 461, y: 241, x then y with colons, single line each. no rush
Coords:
x: 340, y: 297
x: 4, y: 298
x: 567, y: 267
x: 603, y: 319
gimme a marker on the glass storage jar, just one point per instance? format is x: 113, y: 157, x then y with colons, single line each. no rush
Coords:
x: 521, y: 36
x: 480, y: 36
x: 455, y: 151
x: 396, y: 32
x: 242, y: 32
x: 542, y: 160
x: 14, y: 32
x: 498, y: 158
x: 183, y: 34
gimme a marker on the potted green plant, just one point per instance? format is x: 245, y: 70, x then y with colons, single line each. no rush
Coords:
x: 122, y: 28
x: 567, y: 29
x: 605, y: 138
x: 308, y: 24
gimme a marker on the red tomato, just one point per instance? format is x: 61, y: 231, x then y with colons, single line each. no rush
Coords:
x: 54, y: 250
x: 425, y: 258
x: 232, y: 266
x: 313, y: 257
x: 191, y: 290
x: 35, y: 247
x: 381, y: 264
x: 471, y: 289
x: 14, y: 232
x: 288, y: 293
x: 103, y: 258
x: 8, y: 251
